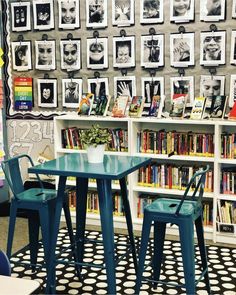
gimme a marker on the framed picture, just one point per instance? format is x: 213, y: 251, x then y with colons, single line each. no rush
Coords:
x: 97, y: 53
x: 69, y: 14
x: 123, y: 52
x: 122, y: 12
x: 45, y: 55
x: 233, y: 48
x: 96, y: 13
x: 152, y: 51
x: 181, y: 11
x: 21, y: 56
x: 212, y: 85
x: 98, y: 86
x: 71, y: 92
x: 232, y: 94
x: 151, y: 11
x: 43, y: 12
x: 125, y: 85
x: 233, y: 8
x: 183, y: 85
x: 70, y: 55
x: 182, y: 50
x: 20, y: 16
x: 211, y: 11
x: 152, y: 86
x: 47, y: 93
x: 212, y: 48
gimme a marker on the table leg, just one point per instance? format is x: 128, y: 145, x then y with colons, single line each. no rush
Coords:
x: 106, y: 215
x: 124, y: 195
x: 51, y: 275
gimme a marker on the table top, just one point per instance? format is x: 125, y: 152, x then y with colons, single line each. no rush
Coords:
x: 12, y: 285
x: 76, y: 164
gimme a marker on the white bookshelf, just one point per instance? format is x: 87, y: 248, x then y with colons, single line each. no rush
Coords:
x: 133, y: 125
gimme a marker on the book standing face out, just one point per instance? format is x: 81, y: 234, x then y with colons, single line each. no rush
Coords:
x: 136, y: 106
x: 178, y: 105
x: 218, y: 105
x: 198, y: 107
x: 100, y: 105
x: 86, y: 103
x: 232, y: 113
x: 120, y: 106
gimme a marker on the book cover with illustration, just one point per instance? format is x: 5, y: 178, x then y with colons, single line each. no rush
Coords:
x: 218, y: 105
x: 198, y: 108
x: 178, y: 105
x: 85, y: 104
x: 100, y: 105
x: 136, y: 106
x: 120, y: 105
x: 232, y: 112
x: 207, y: 108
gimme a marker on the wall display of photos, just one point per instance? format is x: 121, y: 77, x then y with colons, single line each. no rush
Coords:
x: 136, y: 47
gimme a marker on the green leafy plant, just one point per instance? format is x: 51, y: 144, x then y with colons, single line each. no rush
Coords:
x: 95, y: 135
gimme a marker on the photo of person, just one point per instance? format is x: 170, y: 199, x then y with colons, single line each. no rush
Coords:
x: 68, y: 14
x: 152, y: 53
x: 123, y: 52
x: 97, y: 53
x: 183, y: 85
x: 20, y: 16
x: 233, y: 48
x: 212, y: 48
x: 233, y: 8
x: 96, y: 13
x: 232, y: 94
x: 47, y: 92
x: 122, y: 12
x: 212, y: 85
x: 98, y: 86
x: 21, y: 56
x: 182, y: 50
x: 125, y: 86
x: 43, y: 12
x: 151, y: 11
x: 70, y: 55
x: 152, y: 86
x: 45, y: 55
x: 212, y: 10
x: 181, y: 10
x: 71, y: 92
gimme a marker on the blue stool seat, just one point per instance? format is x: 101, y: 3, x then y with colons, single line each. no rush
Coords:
x: 183, y: 213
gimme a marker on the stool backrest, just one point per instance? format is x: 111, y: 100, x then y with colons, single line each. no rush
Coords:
x: 199, y: 179
x: 5, y: 267
x: 13, y: 173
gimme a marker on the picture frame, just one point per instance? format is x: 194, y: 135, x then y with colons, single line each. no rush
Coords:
x: 69, y: 14
x: 70, y: 55
x: 21, y: 56
x: 233, y: 8
x: 232, y: 93
x: 212, y: 12
x: 71, y: 92
x: 124, y: 52
x: 151, y: 11
x: 181, y: 13
x: 96, y: 14
x: 20, y: 16
x: 122, y: 13
x: 125, y: 85
x: 43, y: 13
x: 183, y: 85
x: 152, y: 86
x: 47, y: 93
x: 212, y: 85
x: 212, y: 48
x: 182, y: 50
x: 97, y: 53
x: 233, y: 48
x: 45, y: 55
x: 98, y: 86
x: 152, y: 51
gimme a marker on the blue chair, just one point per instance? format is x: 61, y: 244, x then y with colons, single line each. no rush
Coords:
x: 38, y: 202
x: 5, y: 267
x: 184, y: 213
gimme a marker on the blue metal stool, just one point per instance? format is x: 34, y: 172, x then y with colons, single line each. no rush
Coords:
x: 184, y: 213
x: 5, y: 267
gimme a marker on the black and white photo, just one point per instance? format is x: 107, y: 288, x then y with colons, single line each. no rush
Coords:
x: 212, y: 85
x: 183, y: 85
x: 96, y: 13
x: 152, y: 86
x: 212, y: 48
x: 233, y: 48
x: 212, y: 10
x: 70, y: 55
x: 182, y: 49
x: 43, y: 11
x: 125, y: 85
x: 21, y: 56
x: 233, y: 8
x: 122, y: 12
x: 71, y: 92
x: 97, y: 53
x: 98, y: 86
x: 47, y: 93
x: 20, y: 16
x: 123, y: 52
x: 151, y: 11
x: 152, y: 51
x: 181, y: 10
x: 232, y: 94
x: 69, y: 14
x: 45, y: 55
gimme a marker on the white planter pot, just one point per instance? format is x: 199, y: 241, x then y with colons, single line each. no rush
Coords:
x: 96, y: 154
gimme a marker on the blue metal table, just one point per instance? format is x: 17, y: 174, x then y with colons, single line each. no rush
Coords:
x: 112, y: 168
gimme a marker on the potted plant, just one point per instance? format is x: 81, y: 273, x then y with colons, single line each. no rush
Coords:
x: 95, y: 140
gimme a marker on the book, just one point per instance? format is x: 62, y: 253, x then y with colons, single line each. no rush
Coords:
x: 155, y: 105
x: 120, y: 106
x: 218, y: 105
x: 178, y: 105
x: 100, y: 105
x: 207, y: 108
x: 136, y: 106
x: 232, y: 112
x: 198, y: 108
x: 85, y: 104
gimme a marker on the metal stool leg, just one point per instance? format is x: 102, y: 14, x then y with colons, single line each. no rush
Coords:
x: 11, y: 227
x: 33, y: 225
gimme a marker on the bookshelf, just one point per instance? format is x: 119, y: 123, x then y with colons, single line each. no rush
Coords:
x: 217, y: 128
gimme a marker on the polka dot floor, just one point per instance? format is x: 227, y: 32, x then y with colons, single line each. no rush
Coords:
x: 222, y: 269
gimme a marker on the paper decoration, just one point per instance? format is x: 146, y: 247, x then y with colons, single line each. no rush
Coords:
x: 23, y: 93
x: 1, y: 60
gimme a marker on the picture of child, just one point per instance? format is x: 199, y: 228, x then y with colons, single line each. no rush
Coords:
x: 70, y: 56
x: 45, y: 55
x: 68, y: 12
